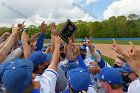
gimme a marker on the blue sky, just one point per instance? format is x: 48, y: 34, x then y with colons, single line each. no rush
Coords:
x: 97, y: 8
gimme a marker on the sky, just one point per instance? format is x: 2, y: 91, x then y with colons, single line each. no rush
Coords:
x: 36, y: 11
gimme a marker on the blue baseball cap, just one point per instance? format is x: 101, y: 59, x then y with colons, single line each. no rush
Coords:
x: 83, y: 48
x: 39, y: 57
x: 79, y: 79
x: 110, y: 75
x: 125, y: 68
x: 17, y: 75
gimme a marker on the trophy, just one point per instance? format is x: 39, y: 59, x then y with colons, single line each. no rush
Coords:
x: 67, y: 31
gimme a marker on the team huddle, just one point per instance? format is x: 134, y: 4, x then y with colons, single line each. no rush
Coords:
x: 29, y: 65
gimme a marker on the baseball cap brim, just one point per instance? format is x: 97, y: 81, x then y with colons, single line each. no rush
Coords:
x: 122, y: 70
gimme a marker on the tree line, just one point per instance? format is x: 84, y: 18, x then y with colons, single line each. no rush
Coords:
x: 114, y: 27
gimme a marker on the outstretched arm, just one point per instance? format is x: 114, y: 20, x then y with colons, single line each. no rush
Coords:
x: 40, y: 41
x: 56, y: 54
x: 132, y: 56
x: 53, y: 32
x: 20, y: 26
x: 25, y: 45
x: 92, y: 50
x: 6, y: 48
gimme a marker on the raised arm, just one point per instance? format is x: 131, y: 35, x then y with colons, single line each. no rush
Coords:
x: 69, y: 52
x: 56, y: 54
x: 3, y: 43
x: 134, y: 56
x: 40, y: 41
x: 131, y: 56
x: 93, y: 52
x: 20, y: 26
x: 53, y: 32
x: 6, y: 48
x: 25, y: 45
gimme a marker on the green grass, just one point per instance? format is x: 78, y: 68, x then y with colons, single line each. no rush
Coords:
x: 123, y: 42
x: 109, y: 60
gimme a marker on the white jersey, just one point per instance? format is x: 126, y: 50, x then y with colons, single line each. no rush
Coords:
x: 91, y: 90
x: 134, y: 86
x: 47, y: 81
x: 64, y: 62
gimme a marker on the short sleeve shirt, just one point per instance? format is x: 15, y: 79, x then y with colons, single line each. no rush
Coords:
x: 47, y: 81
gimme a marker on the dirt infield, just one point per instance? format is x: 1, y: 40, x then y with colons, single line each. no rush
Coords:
x: 107, y: 51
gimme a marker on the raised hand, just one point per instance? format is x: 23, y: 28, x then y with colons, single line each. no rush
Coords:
x: 133, y: 52
x: 18, y: 28
x: 53, y: 28
x: 57, y: 40
x: 129, y: 55
x: 43, y: 27
x: 116, y: 47
x: 21, y: 25
x: 89, y: 42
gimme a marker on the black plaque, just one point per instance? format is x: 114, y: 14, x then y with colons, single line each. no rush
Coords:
x: 67, y: 31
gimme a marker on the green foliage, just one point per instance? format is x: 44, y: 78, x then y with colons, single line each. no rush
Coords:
x: 32, y: 29
x: 114, y: 27
x: 4, y: 29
